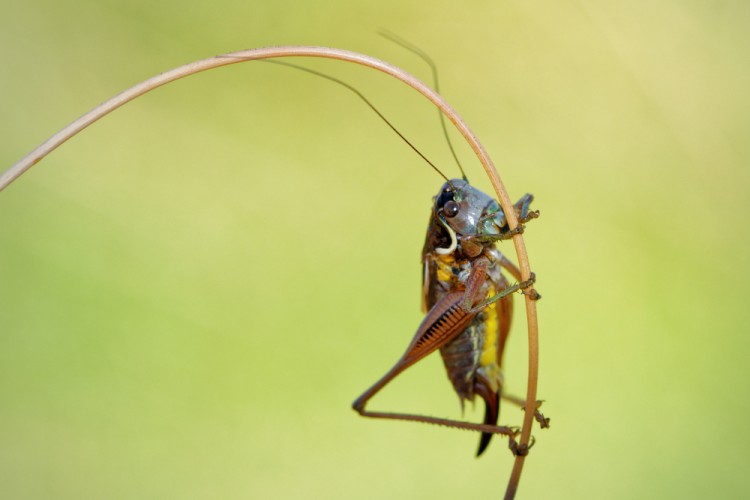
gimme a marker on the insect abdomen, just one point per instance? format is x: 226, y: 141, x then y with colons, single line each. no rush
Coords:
x: 461, y: 358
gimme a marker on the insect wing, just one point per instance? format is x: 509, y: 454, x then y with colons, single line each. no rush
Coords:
x: 437, y: 237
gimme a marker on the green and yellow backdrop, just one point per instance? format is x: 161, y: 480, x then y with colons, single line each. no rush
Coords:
x: 194, y: 290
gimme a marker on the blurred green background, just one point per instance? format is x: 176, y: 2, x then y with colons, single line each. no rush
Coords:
x: 194, y: 290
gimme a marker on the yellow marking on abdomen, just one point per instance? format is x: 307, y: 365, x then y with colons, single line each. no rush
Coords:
x: 488, y: 359
x: 489, y: 350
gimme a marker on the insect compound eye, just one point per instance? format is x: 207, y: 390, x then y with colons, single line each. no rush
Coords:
x: 444, y: 197
x: 450, y: 209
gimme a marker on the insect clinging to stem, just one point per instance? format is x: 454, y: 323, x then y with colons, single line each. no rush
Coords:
x: 468, y: 303
x: 466, y: 299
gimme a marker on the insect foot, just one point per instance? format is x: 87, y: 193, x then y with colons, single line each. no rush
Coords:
x: 520, y: 450
x: 539, y: 416
x: 526, y: 289
x: 534, y: 214
x: 519, y: 229
x: 543, y: 421
x: 532, y: 294
x: 513, y: 431
x: 526, y: 284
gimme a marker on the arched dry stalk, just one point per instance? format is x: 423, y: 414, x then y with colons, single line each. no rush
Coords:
x: 343, y: 55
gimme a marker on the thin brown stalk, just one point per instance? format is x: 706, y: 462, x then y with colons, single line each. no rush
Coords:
x: 344, y: 55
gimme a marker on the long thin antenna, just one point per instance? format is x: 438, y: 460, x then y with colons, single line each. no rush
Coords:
x: 367, y: 101
x: 426, y: 58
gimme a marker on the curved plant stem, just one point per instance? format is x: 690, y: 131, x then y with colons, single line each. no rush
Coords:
x: 344, y: 55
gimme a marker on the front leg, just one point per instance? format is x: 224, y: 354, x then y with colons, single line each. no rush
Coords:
x: 493, y: 238
x: 522, y: 209
x: 523, y: 214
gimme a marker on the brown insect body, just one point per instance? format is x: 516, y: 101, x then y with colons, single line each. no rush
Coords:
x: 473, y: 359
x: 467, y: 301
